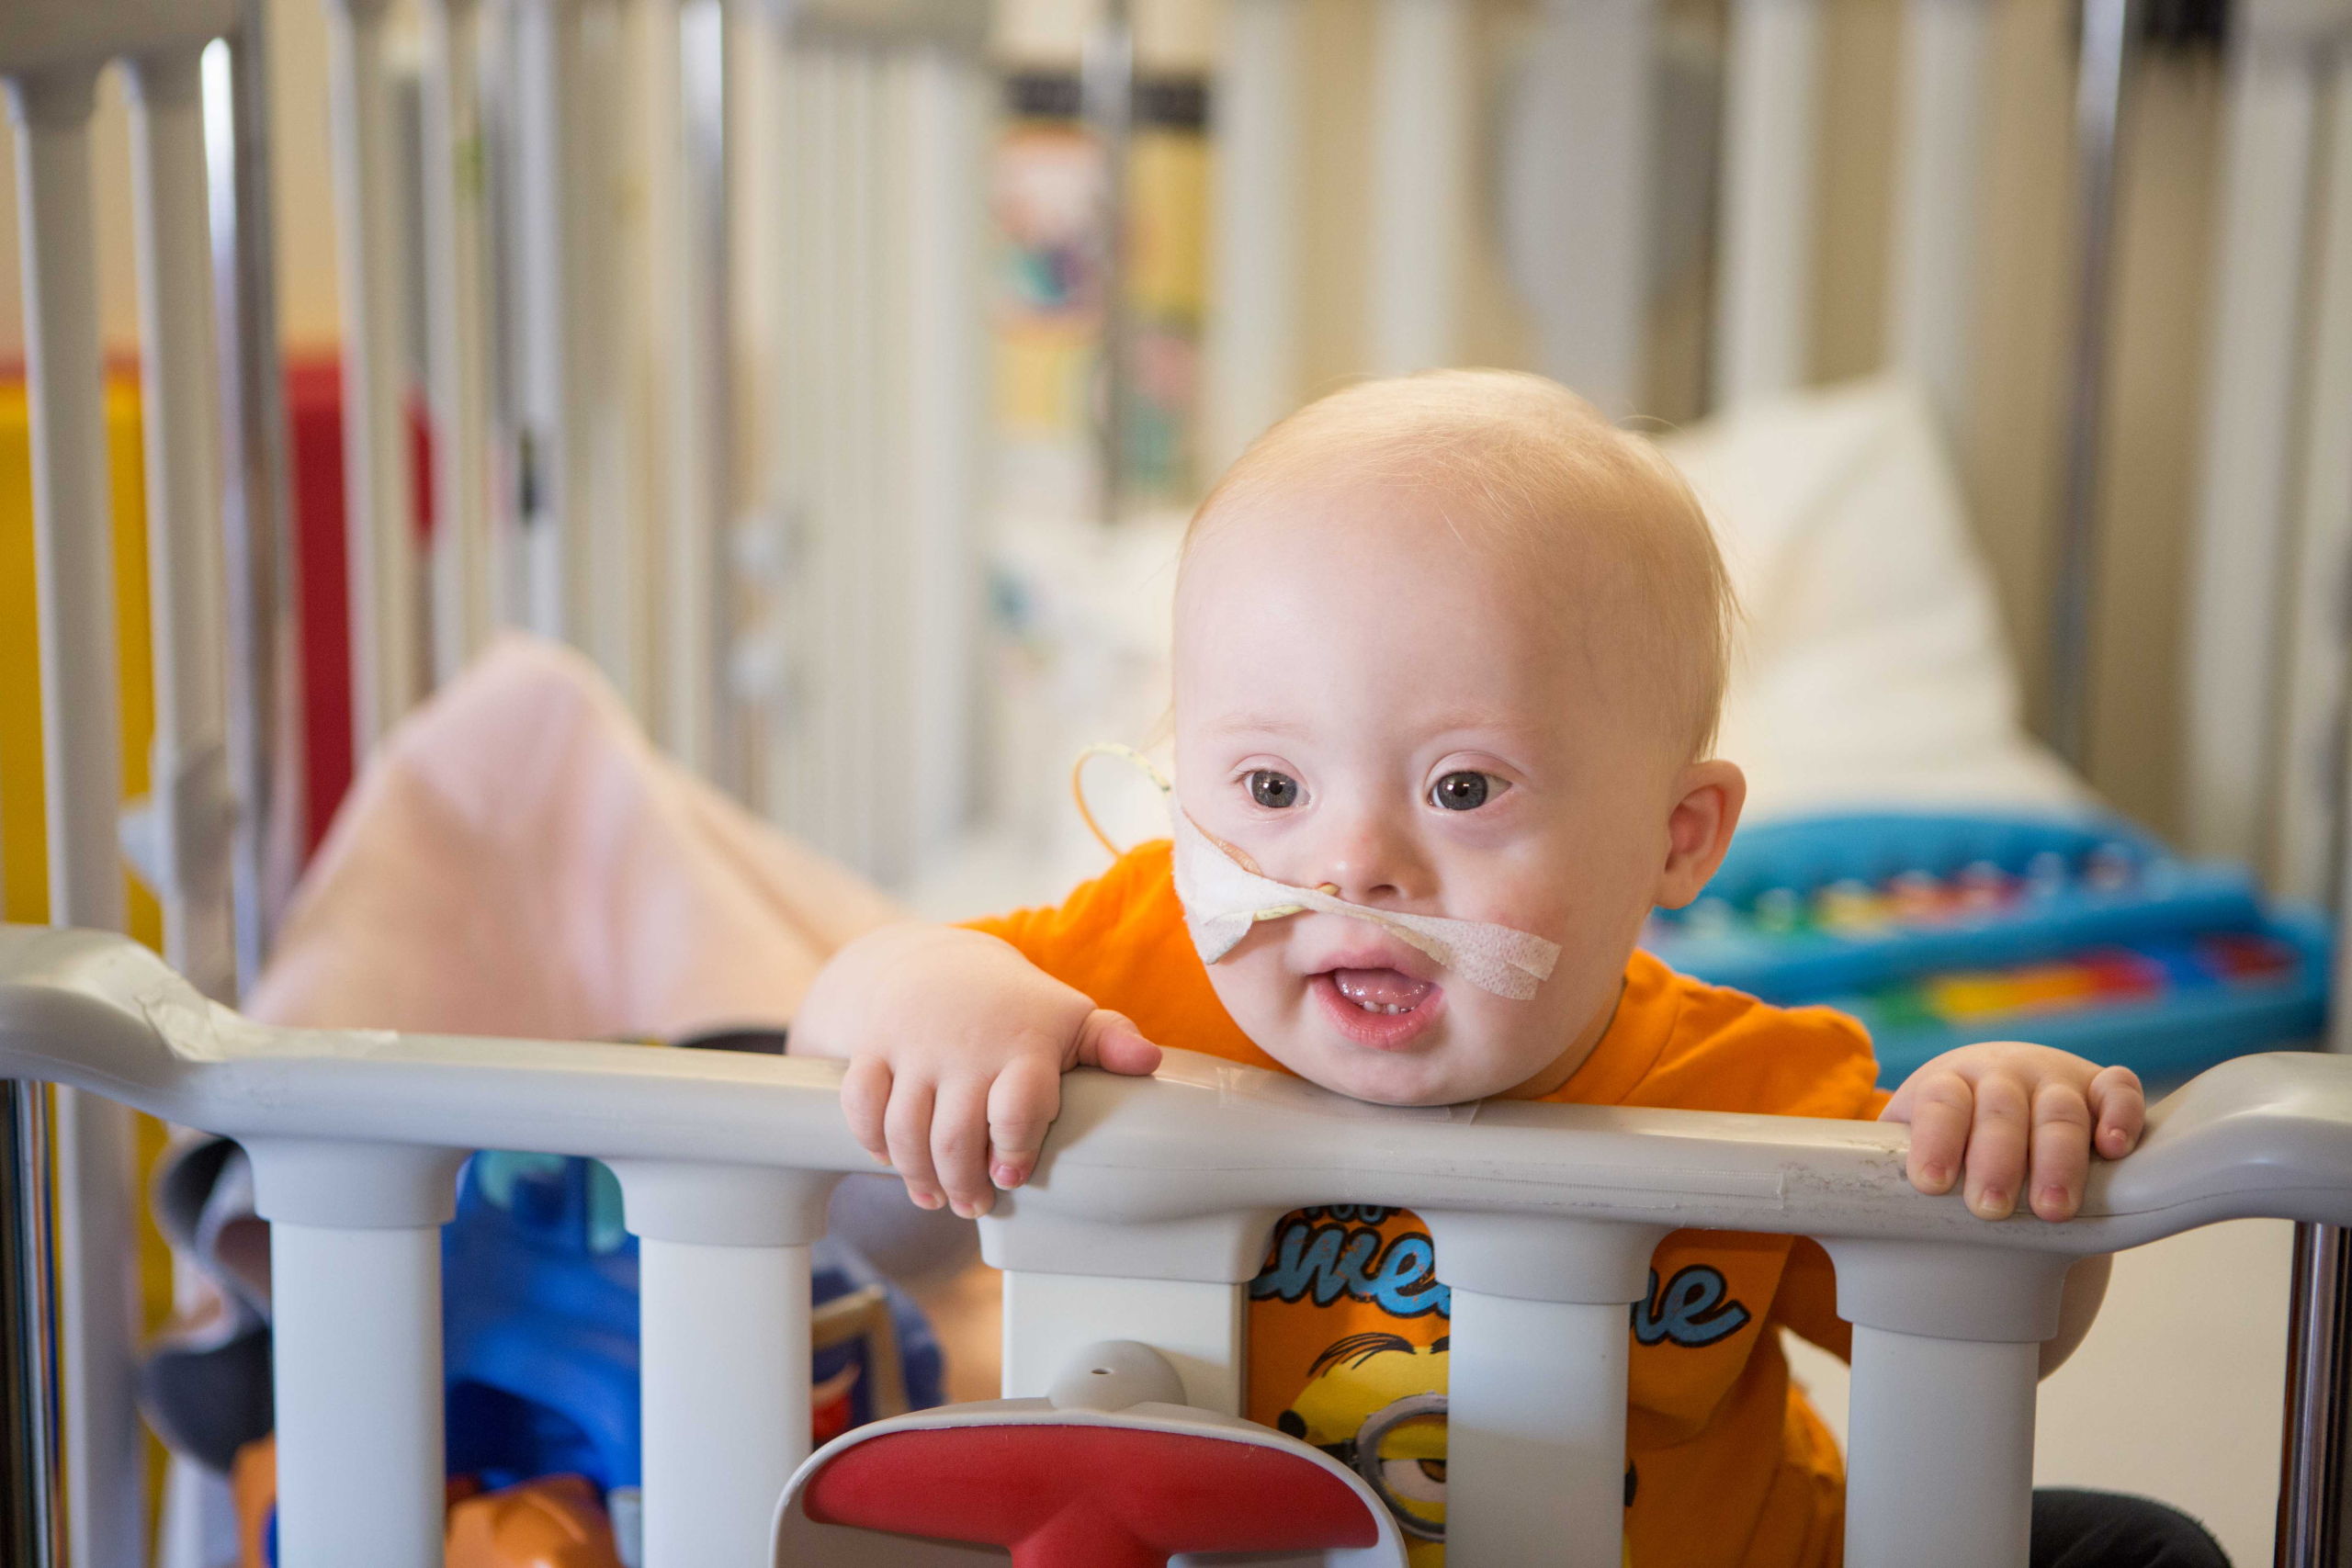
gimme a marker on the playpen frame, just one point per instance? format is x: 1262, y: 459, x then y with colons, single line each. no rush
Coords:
x: 1155, y: 1199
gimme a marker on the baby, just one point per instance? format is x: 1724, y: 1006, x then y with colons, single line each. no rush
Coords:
x: 1452, y: 644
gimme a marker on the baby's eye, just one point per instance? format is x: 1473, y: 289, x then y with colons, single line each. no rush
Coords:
x: 1275, y: 791
x: 1461, y: 792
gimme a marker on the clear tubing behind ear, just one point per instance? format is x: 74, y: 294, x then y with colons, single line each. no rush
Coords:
x: 1126, y: 754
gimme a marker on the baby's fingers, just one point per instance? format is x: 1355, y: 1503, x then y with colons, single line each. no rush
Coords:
x: 1998, y: 1146
x: 2121, y: 1107
x: 1941, y: 1106
x: 1107, y: 1040
x: 906, y: 1130
x: 1023, y: 1103
x: 2062, y: 1151
x: 866, y: 1091
x: 959, y: 1144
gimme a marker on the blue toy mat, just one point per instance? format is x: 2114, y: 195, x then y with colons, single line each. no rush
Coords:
x: 2077, y: 931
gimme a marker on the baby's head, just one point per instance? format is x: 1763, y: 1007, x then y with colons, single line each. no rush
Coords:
x: 1450, y: 644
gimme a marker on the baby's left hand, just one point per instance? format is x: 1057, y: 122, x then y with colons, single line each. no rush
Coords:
x: 2017, y: 1114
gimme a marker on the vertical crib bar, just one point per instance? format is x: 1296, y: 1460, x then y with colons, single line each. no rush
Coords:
x: 2103, y: 75
x: 694, y: 642
x: 379, y: 515
x: 1577, y: 189
x: 941, y: 352
x: 2269, y: 145
x: 2308, y: 838
x: 193, y: 808
x: 73, y: 570
x: 725, y: 1331
x: 1107, y: 80
x: 852, y: 522
x: 1536, y: 1433
x: 1952, y: 1492
x: 355, y: 1296
x: 2319, y: 1360
x: 1422, y: 181
x: 723, y: 1336
x: 457, y: 332
x: 1764, y: 293
x: 1535, y: 1404
x: 73, y: 555
x: 1932, y: 292
x: 1956, y: 1330
x: 1253, y: 319
x: 265, y: 754
x: 358, y: 1374
x: 32, y: 1511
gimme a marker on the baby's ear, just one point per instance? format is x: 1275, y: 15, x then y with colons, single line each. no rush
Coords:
x: 1699, y: 825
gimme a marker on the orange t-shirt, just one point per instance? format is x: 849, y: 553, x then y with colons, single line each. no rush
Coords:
x: 1726, y: 1463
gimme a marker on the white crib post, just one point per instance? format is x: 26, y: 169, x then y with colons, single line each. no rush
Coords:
x: 1421, y: 182
x: 74, y: 566
x: 724, y: 1367
x: 458, y: 333
x: 1947, y: 1347
x: 1253, y: 321
x: 2249, y: 433
x: 1764, y: 296
x: 193, y: 808
x: 1931, y: 294
x: 1535, y: 1408
x: 356, y: 1299
x: 379, y: 514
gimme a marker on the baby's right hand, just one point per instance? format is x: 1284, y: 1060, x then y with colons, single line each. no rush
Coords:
x: 955, y: 1045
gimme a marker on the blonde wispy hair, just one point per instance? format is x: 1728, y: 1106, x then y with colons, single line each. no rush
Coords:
x: 1547, y: 478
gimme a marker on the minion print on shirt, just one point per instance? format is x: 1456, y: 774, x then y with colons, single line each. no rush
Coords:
x: 1349, y: 1348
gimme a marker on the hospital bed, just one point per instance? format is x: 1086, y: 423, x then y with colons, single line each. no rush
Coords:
x: 1547, y: 1214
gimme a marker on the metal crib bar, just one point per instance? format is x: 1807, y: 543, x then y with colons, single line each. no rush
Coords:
x: 1765, y: 282
x: 188, y: 787
x: 1421, y: 159
x: 458, y: 333
x: 32, y: 1511
x: 1932, y: 294
x: 701, y: 475
x: 265, y: 754
x: 379, y: 509
x: 81, y: 767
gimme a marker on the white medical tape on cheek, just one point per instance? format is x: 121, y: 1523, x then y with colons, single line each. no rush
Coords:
x: 1223, y: 899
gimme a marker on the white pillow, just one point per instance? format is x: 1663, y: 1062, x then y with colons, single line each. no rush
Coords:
x: 1870, y: 667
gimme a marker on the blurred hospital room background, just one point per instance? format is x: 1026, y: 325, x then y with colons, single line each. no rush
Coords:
x: 837, y: 375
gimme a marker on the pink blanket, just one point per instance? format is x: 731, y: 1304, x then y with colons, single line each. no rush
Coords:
x: 516, y: 859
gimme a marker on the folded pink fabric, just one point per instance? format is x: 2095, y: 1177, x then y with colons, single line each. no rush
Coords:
x: 517, y: 859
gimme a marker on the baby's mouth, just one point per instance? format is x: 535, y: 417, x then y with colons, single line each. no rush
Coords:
x: 1384, y: 991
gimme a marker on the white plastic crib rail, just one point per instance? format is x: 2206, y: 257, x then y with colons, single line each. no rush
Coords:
x: 1148, y: 1216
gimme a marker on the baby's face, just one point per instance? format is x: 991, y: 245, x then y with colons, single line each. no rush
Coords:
x: 1367, y: 699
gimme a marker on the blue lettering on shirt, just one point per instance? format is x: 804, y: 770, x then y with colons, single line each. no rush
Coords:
x: 1319, y: 1255
x: 1690, y: 1310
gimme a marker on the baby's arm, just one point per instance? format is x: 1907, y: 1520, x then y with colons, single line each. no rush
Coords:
x: 956, y: 1044
x: 2011, y: 1115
